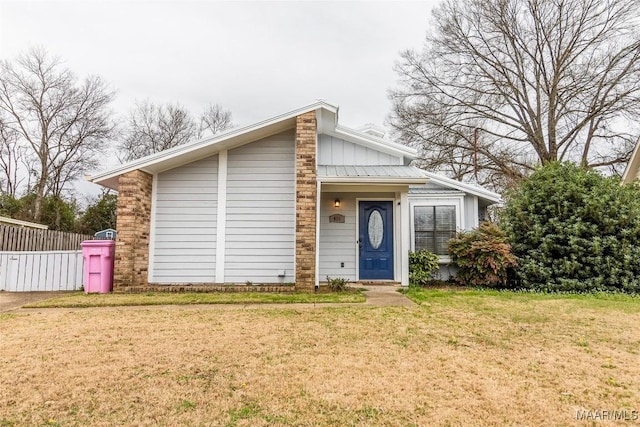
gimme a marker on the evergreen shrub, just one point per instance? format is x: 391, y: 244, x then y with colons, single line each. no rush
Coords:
x: 574, y: 230
x: 422, y: 267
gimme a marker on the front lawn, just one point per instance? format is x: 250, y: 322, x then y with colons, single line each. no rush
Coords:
x: 458, y: 358
x: 471, y: 296
x: 80, y: 299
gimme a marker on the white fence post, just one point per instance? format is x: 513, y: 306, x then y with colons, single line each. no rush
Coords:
x: 40, y: 271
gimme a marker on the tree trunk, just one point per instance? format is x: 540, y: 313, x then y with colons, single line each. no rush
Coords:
x: 37, y: 205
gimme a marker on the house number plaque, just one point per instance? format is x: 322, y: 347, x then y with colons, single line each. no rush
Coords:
x: 336, y: 218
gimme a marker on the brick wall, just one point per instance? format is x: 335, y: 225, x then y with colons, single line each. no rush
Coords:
x: 133, y: 225
x: 306, y: 140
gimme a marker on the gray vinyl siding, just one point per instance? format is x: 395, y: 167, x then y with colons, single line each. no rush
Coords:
x: 260, y: 224
x: 335, y: 151
x: 185, y: 209
x: 337, y: 240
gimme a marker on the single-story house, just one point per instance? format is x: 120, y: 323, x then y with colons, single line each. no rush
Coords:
x: 292, y: 199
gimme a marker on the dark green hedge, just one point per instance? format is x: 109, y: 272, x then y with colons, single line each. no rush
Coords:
x: 574, y: 230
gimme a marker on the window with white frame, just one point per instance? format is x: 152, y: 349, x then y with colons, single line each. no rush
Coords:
x: 434, y: 226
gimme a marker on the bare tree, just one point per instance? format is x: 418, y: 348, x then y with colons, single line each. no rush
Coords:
x: 154, y: 128
x: 11, y: 156
x: 504, y: 85
x: 63, y: 123
x: 214, y: 119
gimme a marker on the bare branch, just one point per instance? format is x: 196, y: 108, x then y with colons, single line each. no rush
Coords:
x: 545, y: 80
x: 11, y: 155
x: 213, y: 120
x: 153, y: 128
x: 65, y: 123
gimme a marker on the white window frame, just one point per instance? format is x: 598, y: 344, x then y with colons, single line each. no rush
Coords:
x: 440, y: 200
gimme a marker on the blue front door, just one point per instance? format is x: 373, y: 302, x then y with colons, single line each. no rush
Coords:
x: 375, y: 240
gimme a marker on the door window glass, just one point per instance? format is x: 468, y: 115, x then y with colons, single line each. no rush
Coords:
x: 376, y: 229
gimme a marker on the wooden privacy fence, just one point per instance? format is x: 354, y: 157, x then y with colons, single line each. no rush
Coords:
x: 31, y: 239
x: 40, y: 271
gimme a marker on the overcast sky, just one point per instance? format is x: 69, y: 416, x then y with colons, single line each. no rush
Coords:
x: 258, y: 59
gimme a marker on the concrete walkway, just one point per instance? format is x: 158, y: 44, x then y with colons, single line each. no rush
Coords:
x: 377, y: 296
x: 386, y: 296
x: 14, y: 300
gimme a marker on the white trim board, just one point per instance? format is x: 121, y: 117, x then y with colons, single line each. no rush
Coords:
x: 221, y: 218
x: 317, y: 254
x: 152, y: 228
x: 405, y: 211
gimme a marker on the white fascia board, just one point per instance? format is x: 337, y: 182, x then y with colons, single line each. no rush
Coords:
x: 435, y: 195
x: 467, y: 188
x: 146, y: 163
x: 376, y: 143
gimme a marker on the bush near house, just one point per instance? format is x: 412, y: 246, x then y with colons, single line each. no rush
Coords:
x: 422, y: 267
x: 574, y: 230
x: 337, y: 284
x: 483, y: 256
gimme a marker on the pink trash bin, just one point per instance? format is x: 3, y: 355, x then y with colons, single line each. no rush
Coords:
x: 98, y: 265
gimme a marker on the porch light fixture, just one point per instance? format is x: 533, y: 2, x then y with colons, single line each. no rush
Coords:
x: 336, y: 203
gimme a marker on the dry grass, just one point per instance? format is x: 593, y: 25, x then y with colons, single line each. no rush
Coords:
x: 80, y: 299
x: 476, y: 359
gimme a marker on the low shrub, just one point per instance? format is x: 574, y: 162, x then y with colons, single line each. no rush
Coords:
x: 483, y: 256
x: 337, y: 284
x: 422, y: 267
